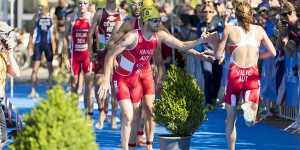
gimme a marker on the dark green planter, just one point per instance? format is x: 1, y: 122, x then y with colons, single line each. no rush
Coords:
x: 169, y: 142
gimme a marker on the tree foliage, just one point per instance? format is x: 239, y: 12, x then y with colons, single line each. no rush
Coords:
x: 180, y: 109
x: 56, y: 123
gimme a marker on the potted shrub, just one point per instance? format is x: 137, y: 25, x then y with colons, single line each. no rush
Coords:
x: 56, y: 123
x: 180, y: 109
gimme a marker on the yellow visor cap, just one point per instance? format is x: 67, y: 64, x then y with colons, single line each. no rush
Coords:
x: 100, y: 4
x: 150, y: 13
x: 83, y: 0
x: 43, y: 3
x: 135, y: 1
x: 147, y: 3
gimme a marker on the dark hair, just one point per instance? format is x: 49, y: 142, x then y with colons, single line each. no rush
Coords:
x: 208, y: 6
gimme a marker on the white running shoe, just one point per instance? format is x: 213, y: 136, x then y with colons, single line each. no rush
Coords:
x: 248, y: 113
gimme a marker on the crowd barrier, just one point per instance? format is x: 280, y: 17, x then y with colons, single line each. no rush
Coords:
x: 279, y: 85
x: 9, y: 109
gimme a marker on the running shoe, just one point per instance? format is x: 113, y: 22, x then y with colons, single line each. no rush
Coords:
x: 248, y: 113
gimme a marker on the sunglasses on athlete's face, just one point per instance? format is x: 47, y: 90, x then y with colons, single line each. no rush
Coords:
x: 41, y: 6
x: 82, y: 2
x: 136, y: 4
x: 287, y: 13
x: 155, y: 20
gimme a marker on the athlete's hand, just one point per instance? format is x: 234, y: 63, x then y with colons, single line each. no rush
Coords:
x: 68, y: 64
x: 104, y: 90
x: 209, y: 37
x: 204, y: 57
x: 116, y: 64
x: 222, y: 60
x: 92, y: 58
x: 30, y: 50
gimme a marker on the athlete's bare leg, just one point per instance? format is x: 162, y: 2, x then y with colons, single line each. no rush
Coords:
x: 50, y: 70
x: 99, y: 78
x: 89, y: 94
x: 80, y: 81
x: 230, y: 126
x: 137, y: 110
x: 73, y: 83
x: 129, y: 123
x: 149, y: 123
x: 106, y: 103
x: 114, y: 109
x: 35, y: 68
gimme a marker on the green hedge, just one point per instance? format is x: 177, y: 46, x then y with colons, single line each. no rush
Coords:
x: 180, y: 109
x: 56, y: 123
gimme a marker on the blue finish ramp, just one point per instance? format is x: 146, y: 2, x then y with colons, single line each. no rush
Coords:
x: 209, y: 136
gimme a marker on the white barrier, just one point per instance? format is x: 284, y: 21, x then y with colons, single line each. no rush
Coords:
x: 9, y: 107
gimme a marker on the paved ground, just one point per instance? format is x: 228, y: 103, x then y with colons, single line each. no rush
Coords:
x: 210, y: 135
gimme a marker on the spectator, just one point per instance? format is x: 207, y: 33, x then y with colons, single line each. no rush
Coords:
x: 212, y: 71
x: 289, y: 34
x: 274, y: 3
x: 167, y: 8
x: 208, y: 2
x: 273, y: 13
x: 233, y: 20
x: 262, y: 9
x: 221, y: 17
x: 296, y: 3
x: 124, y: 5
x: 8, y: 65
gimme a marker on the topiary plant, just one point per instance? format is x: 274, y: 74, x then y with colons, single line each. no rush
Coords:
x: 56, y: 123
x: 180, y: 108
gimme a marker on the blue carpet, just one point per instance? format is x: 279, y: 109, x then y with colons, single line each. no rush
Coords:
x: 210, y: 135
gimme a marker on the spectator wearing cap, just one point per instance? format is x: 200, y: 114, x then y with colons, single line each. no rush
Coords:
x: 221, y: 17
x: 221, y: 11
x: 262, y: 9
x: 289, y: 35
x: 7, y: 65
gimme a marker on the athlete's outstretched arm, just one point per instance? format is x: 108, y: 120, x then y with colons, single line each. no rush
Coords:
x: 124, y: 43
x: 96, y: 19
x: 268, y: 44
x: 171, y: 41
x: 220, y: 49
